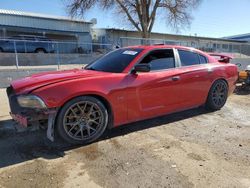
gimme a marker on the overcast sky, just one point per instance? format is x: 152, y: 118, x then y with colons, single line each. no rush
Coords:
x: 214, y: 18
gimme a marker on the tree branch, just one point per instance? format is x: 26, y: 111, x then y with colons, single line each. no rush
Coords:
x: 128, y: 14
x: 141, y: 13
x: 153, y: 15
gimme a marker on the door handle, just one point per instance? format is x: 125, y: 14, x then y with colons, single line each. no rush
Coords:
x: 176, y: 78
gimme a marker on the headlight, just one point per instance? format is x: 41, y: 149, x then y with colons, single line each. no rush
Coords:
x: 31, y: 101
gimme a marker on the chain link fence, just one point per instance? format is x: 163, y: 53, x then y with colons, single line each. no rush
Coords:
x: 24, y: 53
x: 61, y: 55
x: 237, y: 48
x: 20, y: 58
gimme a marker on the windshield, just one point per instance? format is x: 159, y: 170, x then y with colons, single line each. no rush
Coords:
x: 115, y: 61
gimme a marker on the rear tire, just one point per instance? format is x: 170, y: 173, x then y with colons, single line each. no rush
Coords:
x: 82, y: 120
x: 217, y: 95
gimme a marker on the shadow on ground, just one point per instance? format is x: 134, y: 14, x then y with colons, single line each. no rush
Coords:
x: 20, y: 147
x: 242, y: 90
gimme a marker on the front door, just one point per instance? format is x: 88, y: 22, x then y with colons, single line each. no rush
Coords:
x: 156, y: 92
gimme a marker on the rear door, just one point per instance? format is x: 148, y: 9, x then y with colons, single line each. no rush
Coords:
x: 195, y: 78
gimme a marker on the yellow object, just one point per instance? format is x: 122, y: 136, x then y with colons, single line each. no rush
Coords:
x: 243, y: 75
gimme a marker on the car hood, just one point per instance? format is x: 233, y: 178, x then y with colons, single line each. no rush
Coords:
x: 27, y: 84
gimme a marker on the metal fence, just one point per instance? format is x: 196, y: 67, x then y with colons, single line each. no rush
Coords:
x: 59, y: 54
x: 20, y: 58
x: 239, y: 49
x: 23, y: 53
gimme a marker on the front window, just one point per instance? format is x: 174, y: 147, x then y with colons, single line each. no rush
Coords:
x: 115, y: 61
x: 160, y: 59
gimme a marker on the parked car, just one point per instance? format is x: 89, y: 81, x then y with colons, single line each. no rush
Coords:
x: 126, y: 85
x: 27, y: 44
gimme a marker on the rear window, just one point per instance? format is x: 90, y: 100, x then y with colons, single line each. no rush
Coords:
x: 188, y: 58
x: 203, y: 59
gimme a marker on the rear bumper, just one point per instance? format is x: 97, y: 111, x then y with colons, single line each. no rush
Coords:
x: 231, y: 89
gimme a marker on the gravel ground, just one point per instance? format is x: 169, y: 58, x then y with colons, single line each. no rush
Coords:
x: 194, y: 148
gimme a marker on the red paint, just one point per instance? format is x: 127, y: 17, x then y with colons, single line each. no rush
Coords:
x: 20, y: 119
x: 133, y: 97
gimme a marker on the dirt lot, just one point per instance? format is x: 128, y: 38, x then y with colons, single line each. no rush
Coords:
x: 194, y: 148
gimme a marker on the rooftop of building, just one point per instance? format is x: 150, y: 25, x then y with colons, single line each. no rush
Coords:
x: 43, y: 16
x: 240, y: 36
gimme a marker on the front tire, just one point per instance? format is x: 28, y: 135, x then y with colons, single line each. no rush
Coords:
x: 217, y: 95
x: 82, y: 120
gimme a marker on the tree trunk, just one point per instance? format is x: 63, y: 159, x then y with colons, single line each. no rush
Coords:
x: 145, y: 35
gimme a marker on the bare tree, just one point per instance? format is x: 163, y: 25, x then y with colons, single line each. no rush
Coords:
x: 142, y: 13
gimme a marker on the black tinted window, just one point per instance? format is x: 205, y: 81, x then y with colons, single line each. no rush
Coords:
x: 115, y: 61
x: 203, y: 59
x: 160, y: 59
x: 188, y: 58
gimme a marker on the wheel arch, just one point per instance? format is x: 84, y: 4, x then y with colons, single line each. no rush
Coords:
x: 212, y: 83
x: 217, y: 79
x: 43, y: 49
x: 105, y: 102
x: 207, y: 103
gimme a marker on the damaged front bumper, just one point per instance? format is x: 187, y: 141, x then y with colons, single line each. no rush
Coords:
x: 27, y: 116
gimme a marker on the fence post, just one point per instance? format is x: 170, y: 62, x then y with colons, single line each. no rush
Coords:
x: 120, y: 40
x: 17, y: 62
x: 240, y: 49
x: 58, y: 56
x: 91, y: 47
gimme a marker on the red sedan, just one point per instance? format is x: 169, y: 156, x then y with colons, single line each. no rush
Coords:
x: 126, y: 85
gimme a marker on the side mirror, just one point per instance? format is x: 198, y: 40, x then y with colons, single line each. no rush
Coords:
x: 224, y: 60
x: 141, y: 68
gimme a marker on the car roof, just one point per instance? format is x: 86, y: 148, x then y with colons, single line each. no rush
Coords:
x: 151, y: 47
x: 162, y: 46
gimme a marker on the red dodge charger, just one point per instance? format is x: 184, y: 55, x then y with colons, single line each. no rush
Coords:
x: 126, y: 85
